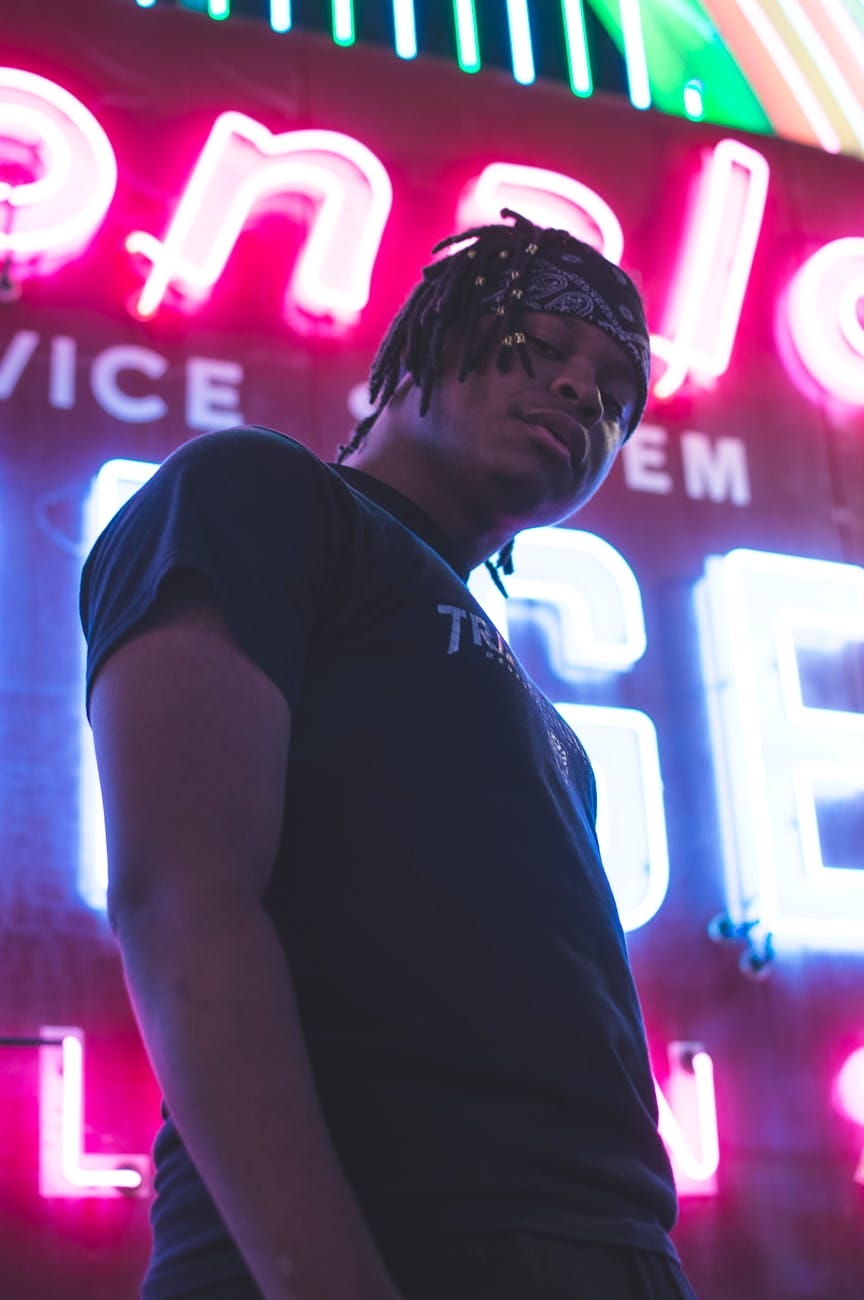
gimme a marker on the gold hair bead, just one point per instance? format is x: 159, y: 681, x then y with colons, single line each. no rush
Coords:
x: 517, y: 293
x: 507, y: 341
x: 532, y: 249
x: 514, y: 275
x: 480, y: 279
x: 519, y: 337
x: 499, y: 311
x: 503, y: 253
x: 472, y: 252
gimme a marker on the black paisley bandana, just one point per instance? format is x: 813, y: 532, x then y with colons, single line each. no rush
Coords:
x: 581, y: 282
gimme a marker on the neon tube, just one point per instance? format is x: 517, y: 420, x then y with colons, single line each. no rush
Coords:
x: 61, y: 1128
x: 241, y: 163
x: 520, y: 42
x: 823, y: 319
x: 61, y: 210
x: 576, y: 46
x: 71, y: 1127
x: 467, y: 44
x: 281, y: 18
x: 837, y: 85
x: 715, y: 269
x: 547, y: 198
x: 219, y: 9
x: 776, y: 755
x: 849, y: 1088
x: 343, y: 22
x: 786, y: 65
x: 693, y: 103
x: 688, y: 1124
x: 634, y: 54
x: 405, y: 29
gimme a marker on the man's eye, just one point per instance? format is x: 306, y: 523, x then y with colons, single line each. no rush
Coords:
x: 612, y: 406
x: 545, y: 348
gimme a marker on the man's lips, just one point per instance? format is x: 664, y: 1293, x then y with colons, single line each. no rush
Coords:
x: 563, y: 427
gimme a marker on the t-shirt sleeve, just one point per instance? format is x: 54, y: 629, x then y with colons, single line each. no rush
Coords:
x: 255, y: 515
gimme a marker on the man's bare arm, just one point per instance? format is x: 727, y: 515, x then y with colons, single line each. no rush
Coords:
x: 192, y: 744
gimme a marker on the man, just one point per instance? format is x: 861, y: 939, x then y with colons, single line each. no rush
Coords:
x: 353, y: 867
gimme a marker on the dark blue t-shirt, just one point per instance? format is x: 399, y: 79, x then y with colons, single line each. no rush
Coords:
x: 459, y: 964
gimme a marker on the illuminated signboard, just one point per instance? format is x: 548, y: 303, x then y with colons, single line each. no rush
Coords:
x: 243, y: 164
x: 795, y: 67
x: 230, y: 251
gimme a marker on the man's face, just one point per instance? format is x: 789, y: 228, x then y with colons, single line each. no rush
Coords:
x: 535, y: 447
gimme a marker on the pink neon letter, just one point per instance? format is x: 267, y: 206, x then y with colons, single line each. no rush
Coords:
x: 824, y: 301
x: 720, y: 244
x: 547, y: 198
x: 58, y: 172
x: 242, y: 164
x: 688, y: 1120
x: 63, y: 1170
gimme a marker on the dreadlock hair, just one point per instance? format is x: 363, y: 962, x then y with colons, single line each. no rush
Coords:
x: 450, y: 297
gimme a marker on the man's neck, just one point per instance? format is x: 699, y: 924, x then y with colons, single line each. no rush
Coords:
x: 434, y: 491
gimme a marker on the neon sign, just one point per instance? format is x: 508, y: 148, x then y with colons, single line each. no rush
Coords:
x: 781, y: 760
x: 688, y: 1125
x: 342, y: 191
x: 849, y: 1096
x: 823, y: 318
x: 243, y: 164
x: 688, y: 1119
x: 63, y: 1168
x: 719, y: 250
x: 58, y: 183
x: 211, y: 396
x: 545, y: 197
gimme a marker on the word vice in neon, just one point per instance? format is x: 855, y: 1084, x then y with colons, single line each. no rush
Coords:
x: 62, y: 175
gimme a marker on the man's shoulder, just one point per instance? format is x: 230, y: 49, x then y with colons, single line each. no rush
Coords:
x: 247, y: 447
x: 248, y: 469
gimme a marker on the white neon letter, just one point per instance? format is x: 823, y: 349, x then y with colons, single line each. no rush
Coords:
x: 56, y: 210
x: 545, y: 197
x: 243, y: 165
x: 622, y: 746
x: 583, y: 596
x: 103, y: 380
x: 115, y: 483
x: 63, y: 1169
x: 780, y: 758
x: 212, y: 399
x: 14, y: 361
x: 645, y: 461
x: 823, y: 317
x: 716, y: 470
x: 705, y: 306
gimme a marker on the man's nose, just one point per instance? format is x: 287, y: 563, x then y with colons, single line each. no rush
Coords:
x: 581, y: 389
